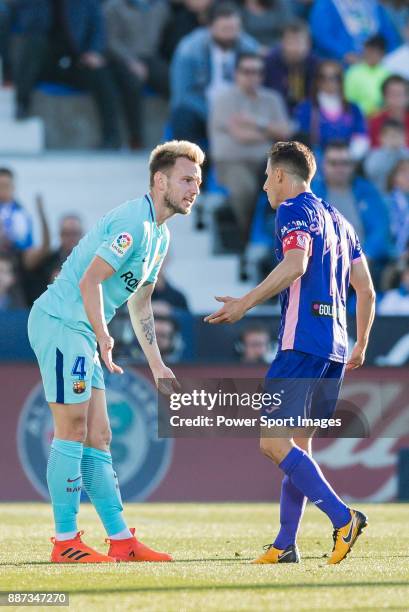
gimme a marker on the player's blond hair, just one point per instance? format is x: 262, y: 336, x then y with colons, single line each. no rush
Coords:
x: 164, y: 156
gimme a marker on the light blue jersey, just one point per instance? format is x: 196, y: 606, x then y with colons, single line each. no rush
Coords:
x: 128, y: 239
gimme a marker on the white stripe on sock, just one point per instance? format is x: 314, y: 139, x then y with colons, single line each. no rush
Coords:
x: 121, y: 535
x: 68, y: 535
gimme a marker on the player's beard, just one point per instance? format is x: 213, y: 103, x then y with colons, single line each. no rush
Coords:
x: 172, y: 205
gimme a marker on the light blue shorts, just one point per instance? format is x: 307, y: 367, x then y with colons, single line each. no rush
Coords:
x: 68, y: 359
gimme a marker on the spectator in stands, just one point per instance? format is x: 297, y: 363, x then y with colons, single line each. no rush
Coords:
x: 397, y: 62
x: 328, y: 116
x: 264, y: 19
x: 291, y: 65
x: 16, y: 234
x: 379, y: 162
x: 395, y: 302
x: 363, y: 81
x: 341, y: 27
x: 70, y: 233
x: 398, y: 188
x: 395, y: 91
x: 398, y: 12
x: 254, y: 345
x: 10, y: 296
x: 203, y: 62
x: 244, y: 119
x: 134, y: 31
x: 169, y: 340
x: 185, y: 17
x: 166, y: 293
x: 64, y: 41
x: 359, y: 201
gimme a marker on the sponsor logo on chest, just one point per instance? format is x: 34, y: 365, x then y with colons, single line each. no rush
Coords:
x: 323, y: 309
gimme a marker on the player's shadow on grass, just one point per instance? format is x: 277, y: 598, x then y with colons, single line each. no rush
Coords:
x: 202, y: 560
x: 240, y: 587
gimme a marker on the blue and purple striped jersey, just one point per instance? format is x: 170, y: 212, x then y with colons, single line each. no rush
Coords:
x: 313, y: 308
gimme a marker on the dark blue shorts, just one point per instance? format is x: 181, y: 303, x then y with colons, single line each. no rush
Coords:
x: 308, y: 386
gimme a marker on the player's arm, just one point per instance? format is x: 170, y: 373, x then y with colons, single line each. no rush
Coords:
x: 141, y: 314
x: 361, y: 281
x: 91, y: 290
x: 293, y: 266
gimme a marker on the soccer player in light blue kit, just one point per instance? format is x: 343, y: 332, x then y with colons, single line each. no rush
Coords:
x: 117, y: 261
x: 319, y: 256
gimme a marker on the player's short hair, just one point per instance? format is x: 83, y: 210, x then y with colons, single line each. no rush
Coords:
x: 223, y: 9
x: 7, y: 172
x: 295, y: 157
x: 164, y: 156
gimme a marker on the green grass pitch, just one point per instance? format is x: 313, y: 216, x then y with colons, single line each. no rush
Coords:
x: 212, y: 545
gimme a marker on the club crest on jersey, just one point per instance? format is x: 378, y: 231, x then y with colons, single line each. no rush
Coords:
x: 121, y: 244
x: 79, y: 386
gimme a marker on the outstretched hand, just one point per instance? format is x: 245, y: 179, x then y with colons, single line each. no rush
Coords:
x: 231, y: 312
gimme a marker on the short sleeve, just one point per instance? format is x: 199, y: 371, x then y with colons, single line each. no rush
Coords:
x: 356, y: 250
x: 153, y: 276
x: 121, y: 241
x: 291, y: 218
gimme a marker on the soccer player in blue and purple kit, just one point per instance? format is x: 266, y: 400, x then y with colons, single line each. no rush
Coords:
x: 319, y: 257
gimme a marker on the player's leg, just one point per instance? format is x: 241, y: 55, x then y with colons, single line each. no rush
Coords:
x: 297, y: 375
x: 303, y: 471
x: 98, y: 476
x: 292, y: 505
x: 307, y: 477
x: 64, y: 466
x: 324, y: 402
x: 65, y: 384
x: 101, y: 483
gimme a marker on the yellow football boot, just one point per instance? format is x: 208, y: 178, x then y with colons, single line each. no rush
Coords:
x: 345, y: 537
x: 274, y: 555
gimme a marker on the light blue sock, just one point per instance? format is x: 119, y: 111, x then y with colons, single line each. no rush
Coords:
x: 64, y: 483
x: 101, y: 484
x: 308, y: 478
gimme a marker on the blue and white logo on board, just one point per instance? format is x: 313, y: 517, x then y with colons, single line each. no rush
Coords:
x: 140, y: 459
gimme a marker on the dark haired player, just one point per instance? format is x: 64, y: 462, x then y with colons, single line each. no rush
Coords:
x: 319, y: 255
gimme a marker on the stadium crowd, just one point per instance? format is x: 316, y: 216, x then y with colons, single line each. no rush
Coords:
x: 237, y: 76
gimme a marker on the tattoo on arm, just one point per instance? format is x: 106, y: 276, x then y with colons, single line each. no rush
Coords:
x: 148, y: 328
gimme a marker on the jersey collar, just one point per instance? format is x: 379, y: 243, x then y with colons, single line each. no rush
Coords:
x: 151, y: 207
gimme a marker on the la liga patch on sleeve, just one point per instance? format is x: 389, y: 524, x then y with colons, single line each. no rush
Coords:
x: 121, y: 244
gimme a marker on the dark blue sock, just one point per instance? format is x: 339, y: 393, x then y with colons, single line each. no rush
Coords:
x: 292, y: 504
x: 308, y: 478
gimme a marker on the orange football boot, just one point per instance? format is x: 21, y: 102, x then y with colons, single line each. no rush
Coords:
x: 75, y: 551
x: 131, y: 549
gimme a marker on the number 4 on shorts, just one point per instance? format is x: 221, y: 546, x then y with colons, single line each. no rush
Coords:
x: 78, y: 368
